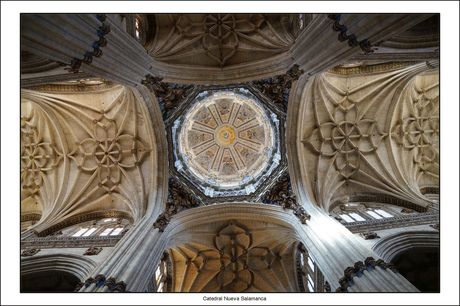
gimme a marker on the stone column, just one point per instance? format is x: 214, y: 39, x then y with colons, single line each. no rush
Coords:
x: 132, y: 262
x: 331, y: 39
x: 346, y: 263
x: 94, y: 43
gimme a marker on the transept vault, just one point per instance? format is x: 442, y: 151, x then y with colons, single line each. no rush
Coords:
x: 230, y: 153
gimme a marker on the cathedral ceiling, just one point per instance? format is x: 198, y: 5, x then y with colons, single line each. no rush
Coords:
x: 220, y: 40
x: 348, y: 145
x: 85, y: 152
x: 234, y: 256
x: 217, y: 138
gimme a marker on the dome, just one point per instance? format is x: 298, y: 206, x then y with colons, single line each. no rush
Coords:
x: 226, y: 143
x: 226, y: 139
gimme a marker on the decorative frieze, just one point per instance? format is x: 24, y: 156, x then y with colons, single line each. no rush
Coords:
x: 30, y: 217
x: 364, y: 68
x: 70, y: 242
x: 394, y: 222
x: 79, y: 87
x: 379, y: 199
x: 429, y: 190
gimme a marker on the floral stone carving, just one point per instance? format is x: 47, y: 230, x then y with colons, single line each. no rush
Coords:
x: 169, y: 95
x: 30, y: 252
x: 281, y: 194
x: 93, y: 251
x: 178, y: 199
x: 108, y: 153
x: 369, y: 235
x: 278, y: 88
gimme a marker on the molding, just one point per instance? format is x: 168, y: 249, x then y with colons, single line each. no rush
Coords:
x: 54, y: 78
x: 77, y: 265
x: 429, y: 190
x: 364, y: 44
x: 395, y: 222
x: 70, y: 242
x: 370, y: 68
x: 104, y: 29
x: 391, y: 246
x: 72, y: 88
x: 30, y: 217
x: 418, y: 56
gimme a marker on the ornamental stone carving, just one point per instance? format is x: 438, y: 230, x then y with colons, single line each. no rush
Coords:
x: 30, y: 252
x: 369, y: 235
x: 108, y: 152
x: 358, y: 271
x: 281, y: 194
x: 101, y: 31
x: 93, y: 251
x: 169, y: 95
x: 178, y: 199
x: 278, y: 88
x: 226, y: 138
x: 101, y: 281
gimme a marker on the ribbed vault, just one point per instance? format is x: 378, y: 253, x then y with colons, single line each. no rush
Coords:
x: 234, y: 255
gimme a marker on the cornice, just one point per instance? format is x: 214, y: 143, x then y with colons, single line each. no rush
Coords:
x: 395, y: 222
x: 70, y: 242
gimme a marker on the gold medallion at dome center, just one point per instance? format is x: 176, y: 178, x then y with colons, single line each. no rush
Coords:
x: 225, y: 135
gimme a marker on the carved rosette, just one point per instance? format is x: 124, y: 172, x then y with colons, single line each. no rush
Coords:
x: 109, y: 153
